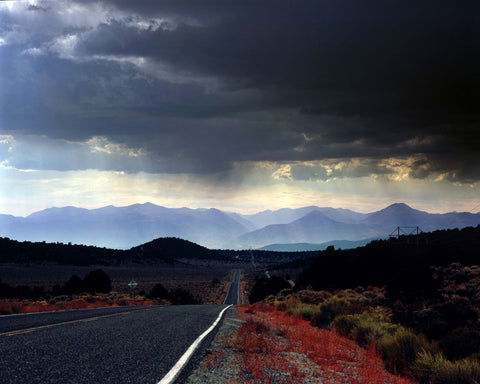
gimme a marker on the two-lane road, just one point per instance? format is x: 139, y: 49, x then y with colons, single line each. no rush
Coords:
x: 233, y: 293
x: 111, y: 345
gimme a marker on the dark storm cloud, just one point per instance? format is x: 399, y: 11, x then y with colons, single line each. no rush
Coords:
x: 292, y: 81
x: 405, y: 65
x: 409, y: 53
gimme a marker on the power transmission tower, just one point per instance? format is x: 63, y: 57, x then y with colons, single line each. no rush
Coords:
x: 407, y: 231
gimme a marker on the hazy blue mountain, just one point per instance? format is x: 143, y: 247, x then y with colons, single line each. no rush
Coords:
x: 298, y: 247
x: 402, y: 215
x: 397, y: 215
x: 6, y: 219
x: 66, y: 214
x: 314, y: 227
x: 126, y: 227
x: 241, y: 219
x: 342, y: 215
x: 288, y: 215
x: 8, y: 223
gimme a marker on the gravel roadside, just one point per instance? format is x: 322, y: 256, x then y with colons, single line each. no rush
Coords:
x: 220, y: 364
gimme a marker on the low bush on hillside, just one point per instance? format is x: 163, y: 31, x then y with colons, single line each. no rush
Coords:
x: 322, y: 307
x: 400, y: 350
x: 308, y: 296
x: 364, y: 328
x: 436, y: 369
x: 328, y: 310
x: 305, y: 311
x: 398, y: 346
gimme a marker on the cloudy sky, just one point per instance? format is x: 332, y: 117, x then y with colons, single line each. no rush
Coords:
x: 240, y: 105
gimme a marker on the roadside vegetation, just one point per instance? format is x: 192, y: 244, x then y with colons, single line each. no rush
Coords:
x: 361, y: 317
x: 272, y: 346
x: 81, y: 301
x: 92, y: 291
x: 423, y: 320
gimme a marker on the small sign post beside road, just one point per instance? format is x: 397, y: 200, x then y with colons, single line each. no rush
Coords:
x: 132, y: 285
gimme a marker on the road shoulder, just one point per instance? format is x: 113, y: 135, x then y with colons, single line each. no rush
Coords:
x: 207, y: 371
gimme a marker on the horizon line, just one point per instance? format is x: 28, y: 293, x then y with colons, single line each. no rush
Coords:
x: 235, y: 212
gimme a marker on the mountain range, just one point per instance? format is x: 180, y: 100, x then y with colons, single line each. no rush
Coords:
x: 287, y: 229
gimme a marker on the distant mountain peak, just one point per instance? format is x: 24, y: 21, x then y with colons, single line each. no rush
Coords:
x: 399, y: 214
x: 398, y: 206
x: 402, y: 208
x: 146, y: 205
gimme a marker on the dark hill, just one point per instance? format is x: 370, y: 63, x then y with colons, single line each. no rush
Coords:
x: 162, y: 250
x: 171, y: 248
x: 383, y: 261
x: 27, y: 252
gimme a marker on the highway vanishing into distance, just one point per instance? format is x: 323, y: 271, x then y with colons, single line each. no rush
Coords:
x: 233, y: 294
x: 107, y: 345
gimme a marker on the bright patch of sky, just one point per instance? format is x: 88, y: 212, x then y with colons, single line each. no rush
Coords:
x: 27, y: 191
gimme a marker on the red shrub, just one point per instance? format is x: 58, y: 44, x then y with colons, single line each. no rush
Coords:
x: 269, y: 338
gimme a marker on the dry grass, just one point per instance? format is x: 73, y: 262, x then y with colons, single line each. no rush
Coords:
x: 435, y: 369
x: 278, y: 348
x: 9, y: 306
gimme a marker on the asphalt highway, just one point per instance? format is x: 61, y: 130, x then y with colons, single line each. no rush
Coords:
x: 32, y: 320
x: 111, y: 345
x: 233, y: 293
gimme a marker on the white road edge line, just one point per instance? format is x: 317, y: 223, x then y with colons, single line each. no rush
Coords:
x: 171, y: 376
x: 228, y: 291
